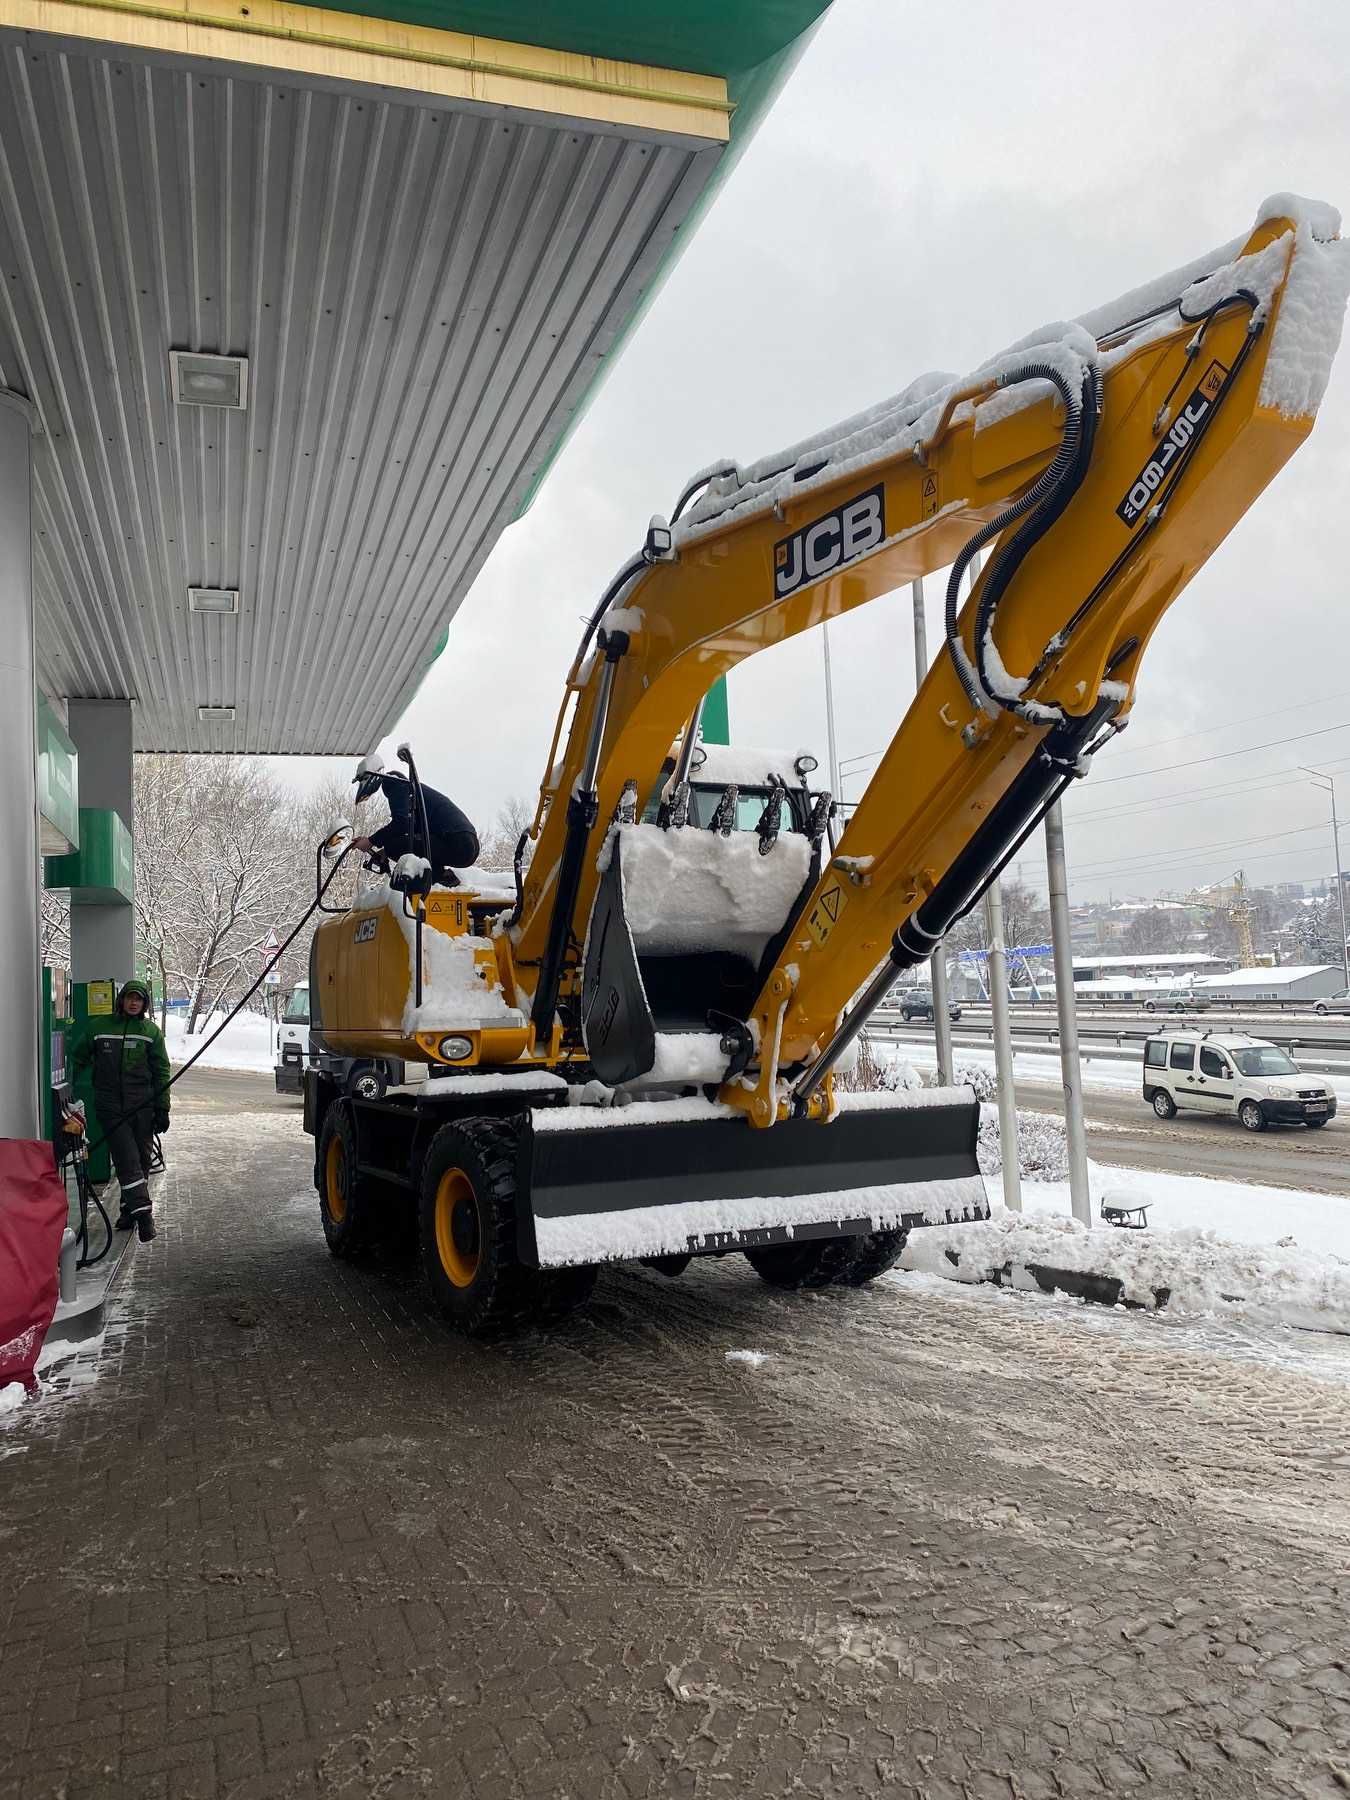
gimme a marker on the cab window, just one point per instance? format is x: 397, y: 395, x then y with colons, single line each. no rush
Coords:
x: 1183, y: 1056
x: 297, y: 1008
x: 1211, y: 1063
x: 1155, y: 1055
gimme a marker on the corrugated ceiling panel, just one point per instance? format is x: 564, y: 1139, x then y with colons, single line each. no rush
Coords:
x: 423, y: 294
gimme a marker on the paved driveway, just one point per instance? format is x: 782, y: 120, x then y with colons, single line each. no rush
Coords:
x: 297, y: 1540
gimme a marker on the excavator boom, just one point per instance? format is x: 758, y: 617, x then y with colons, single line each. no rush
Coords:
x: 694, y: 988
x: 1101, y: 463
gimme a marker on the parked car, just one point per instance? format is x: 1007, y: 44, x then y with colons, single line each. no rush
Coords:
x: 1333, y: 1003
x: 917, y: 1003
x: 1179, y: 1000
x: 1240, y: 1076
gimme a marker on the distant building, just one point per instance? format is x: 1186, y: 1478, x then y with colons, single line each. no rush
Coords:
x: 1307, y: 981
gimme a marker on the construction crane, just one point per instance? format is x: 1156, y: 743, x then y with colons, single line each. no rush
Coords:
x: 634, y: 1053
x: 1240, y: 913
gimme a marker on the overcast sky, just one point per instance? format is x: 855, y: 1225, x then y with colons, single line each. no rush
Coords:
x: 932, y: 183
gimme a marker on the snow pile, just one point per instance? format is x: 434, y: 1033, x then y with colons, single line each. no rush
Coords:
x: 1042, y: 1145
x: 686, y: 1057
x: 753, y: 1359
x: 1312, y: 310
x: 722, y: 764
x: 982, y: 1081
x: 900, y: 1099
x: 246, y: 1043
x: 458, y: 992
x: 697, y: 890
x: 1192, y: 1272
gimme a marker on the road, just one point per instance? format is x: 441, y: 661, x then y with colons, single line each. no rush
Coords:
x: 1125, y: 1134
x: 283, y: 1537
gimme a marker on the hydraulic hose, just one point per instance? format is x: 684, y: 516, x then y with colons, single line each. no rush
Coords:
x: 231, y: 1016
x: 1010, y: 559
x: 971, y: 676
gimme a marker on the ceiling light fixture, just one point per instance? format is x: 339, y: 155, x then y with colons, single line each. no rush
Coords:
x: 215, y: 712
x: 213, y: 600
x: 200, y: 378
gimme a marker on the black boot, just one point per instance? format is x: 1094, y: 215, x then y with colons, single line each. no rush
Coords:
x: 125, y: 1220
x: 145, y: 1225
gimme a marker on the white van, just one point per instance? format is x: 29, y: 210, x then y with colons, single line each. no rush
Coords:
x: 1233, y: 1074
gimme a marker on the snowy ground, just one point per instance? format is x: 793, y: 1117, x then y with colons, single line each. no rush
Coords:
x: 248, y: 1042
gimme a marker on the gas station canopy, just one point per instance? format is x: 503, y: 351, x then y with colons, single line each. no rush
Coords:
x: 304, y: 303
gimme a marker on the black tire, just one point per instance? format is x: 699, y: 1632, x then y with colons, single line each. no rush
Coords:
x: 467, y: 1217
x: 906, y: 1014
x: 367, y: 1081
x: 1314, y: 1124
x: 1150, y: 1006
x: 348, y: 1206
x: 1320, y: 1010
x: 1252, y: 1117
x: 880, y: 1251
x: 1163, y: 1104
x: 811, y: 1263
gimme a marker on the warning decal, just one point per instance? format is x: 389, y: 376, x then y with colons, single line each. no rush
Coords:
x: 824, y: 915
x: 928, y: 507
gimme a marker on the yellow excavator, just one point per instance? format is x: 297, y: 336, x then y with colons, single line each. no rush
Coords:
x: 631, y: 1051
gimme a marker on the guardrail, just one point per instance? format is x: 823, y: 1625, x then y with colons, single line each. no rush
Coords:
x: 1105, y: 1003
x: 1109, y: 1045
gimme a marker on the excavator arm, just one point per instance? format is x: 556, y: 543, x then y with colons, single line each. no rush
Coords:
x: 1099, y: 464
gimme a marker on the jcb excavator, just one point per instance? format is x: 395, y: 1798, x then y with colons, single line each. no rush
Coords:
x: 634, y: 1054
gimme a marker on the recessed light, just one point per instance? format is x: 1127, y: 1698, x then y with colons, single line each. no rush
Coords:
x: 213, y: 600
x: 201, y: 378
x: 215, y: 712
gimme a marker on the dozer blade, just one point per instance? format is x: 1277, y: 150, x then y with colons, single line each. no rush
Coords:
x: 606, y: 1185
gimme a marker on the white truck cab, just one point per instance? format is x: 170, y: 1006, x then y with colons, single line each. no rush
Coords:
x: 1233, y: 1074
x: 293, y: 1041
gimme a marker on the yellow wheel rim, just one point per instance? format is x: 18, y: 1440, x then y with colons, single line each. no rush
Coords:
x: 459, y: 1228
x: 335, y: 1181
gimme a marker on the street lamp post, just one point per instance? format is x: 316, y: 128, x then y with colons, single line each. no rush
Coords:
x: 1323, y: 780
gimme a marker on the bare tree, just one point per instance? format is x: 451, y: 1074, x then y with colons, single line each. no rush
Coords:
x: 55, y: 928
x: 498, y: 849
x: 1026, y: 921
x: 1156, y: 929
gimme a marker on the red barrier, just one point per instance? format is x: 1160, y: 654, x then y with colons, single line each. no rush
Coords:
x: 32, y: 1219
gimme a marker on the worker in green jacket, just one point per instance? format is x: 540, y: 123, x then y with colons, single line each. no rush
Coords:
x: 131, y: 1098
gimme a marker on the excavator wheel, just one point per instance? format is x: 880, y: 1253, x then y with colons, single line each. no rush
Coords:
x: 468, y: 1236
x: 348, y: 1206
x: 810, y: 1263
x: 880, y: 1251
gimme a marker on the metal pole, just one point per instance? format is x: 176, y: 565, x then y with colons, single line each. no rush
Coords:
x: 937, y: 963
x: 1340, y: 886
x: 1003, y: 1056
x: 829, y: 713
x: 20, y: 912
x: 1066, y: 1006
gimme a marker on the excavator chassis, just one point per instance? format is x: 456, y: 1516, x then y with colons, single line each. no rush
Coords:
x: 575, y: 1187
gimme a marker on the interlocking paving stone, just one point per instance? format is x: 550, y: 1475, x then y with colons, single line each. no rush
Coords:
x: 938, y: 1545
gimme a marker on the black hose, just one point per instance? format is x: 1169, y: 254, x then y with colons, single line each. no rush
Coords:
x: 1011, y: 557
x: 620, y: 581
x: 971, y: 676
x: 230, y: 1017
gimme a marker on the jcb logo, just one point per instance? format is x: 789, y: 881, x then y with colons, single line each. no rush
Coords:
x: 365, y: 931
x: 827, y: 544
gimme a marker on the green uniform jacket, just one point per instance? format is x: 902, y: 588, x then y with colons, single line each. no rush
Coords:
x: 129, y: 1061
